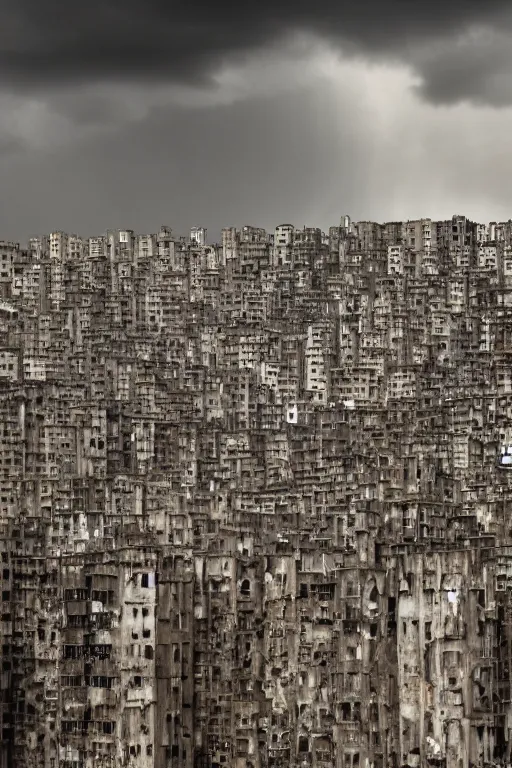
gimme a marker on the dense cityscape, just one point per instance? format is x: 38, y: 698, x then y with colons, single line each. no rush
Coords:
x: 255, y: 504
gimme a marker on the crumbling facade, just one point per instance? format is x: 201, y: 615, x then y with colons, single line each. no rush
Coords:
x: 255, y: 505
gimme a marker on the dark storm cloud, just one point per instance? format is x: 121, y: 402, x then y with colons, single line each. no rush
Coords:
x: 50, y: 42
x: 300, y: 156
x: 237, y: 164
x: 474, y: 68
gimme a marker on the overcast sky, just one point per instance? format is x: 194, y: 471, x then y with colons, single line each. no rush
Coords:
x: 148, y: 112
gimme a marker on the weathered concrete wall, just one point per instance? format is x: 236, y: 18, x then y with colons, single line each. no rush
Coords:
x: 253, y: 506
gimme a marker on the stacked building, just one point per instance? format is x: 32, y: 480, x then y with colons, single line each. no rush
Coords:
x: 254, y: 498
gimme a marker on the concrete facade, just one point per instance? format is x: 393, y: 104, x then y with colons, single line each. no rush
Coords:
x: 254, y: 498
